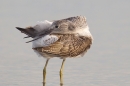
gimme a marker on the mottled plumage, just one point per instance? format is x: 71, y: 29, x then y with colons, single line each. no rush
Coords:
x: 73, y: 39
x: 67, y: 45
x: 65, y: 38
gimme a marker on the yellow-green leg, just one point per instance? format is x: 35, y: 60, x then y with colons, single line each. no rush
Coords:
x: 44, y: 72
x: 61, y: 72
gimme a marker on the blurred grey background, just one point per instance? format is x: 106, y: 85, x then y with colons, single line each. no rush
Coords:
x: 107, y: 63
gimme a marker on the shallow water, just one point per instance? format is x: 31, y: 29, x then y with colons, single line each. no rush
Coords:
x: 107, y: 63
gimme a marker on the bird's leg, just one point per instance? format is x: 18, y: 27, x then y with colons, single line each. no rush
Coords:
x: 61, y: 72
x: 44, y: 72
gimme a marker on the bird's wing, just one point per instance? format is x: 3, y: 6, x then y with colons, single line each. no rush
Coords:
x: 67, y: 45
x: 40, y: 29
x: 29, y: 31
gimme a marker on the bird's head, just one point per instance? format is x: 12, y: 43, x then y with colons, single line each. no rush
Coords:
x: 66, y: 26
x: 63, y: 27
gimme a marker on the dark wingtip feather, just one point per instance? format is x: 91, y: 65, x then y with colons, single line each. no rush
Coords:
x: 21, y: 29
x: 27, y: 36
x: 28, y: 31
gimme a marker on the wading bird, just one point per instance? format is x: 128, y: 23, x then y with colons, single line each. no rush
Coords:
x: 65, y: 38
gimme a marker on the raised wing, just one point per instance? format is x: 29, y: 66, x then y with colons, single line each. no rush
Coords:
x: 39, y: 30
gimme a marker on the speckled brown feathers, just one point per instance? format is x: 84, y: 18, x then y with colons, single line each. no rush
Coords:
x: 78, y: 21
x: 68, y: 45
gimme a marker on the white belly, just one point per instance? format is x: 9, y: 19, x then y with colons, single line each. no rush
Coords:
x: 44, y: 41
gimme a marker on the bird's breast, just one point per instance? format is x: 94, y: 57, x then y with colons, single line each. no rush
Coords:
x: 67, y: 45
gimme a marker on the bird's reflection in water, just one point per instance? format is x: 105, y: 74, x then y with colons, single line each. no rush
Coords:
x: 44, y: 84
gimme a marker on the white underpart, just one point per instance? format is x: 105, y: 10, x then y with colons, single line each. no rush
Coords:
x: 44, y: 41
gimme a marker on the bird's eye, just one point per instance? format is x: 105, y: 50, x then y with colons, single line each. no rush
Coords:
x: 56, y: 26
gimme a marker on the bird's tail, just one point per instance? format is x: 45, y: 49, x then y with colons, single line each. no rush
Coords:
x: 31, y: 32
